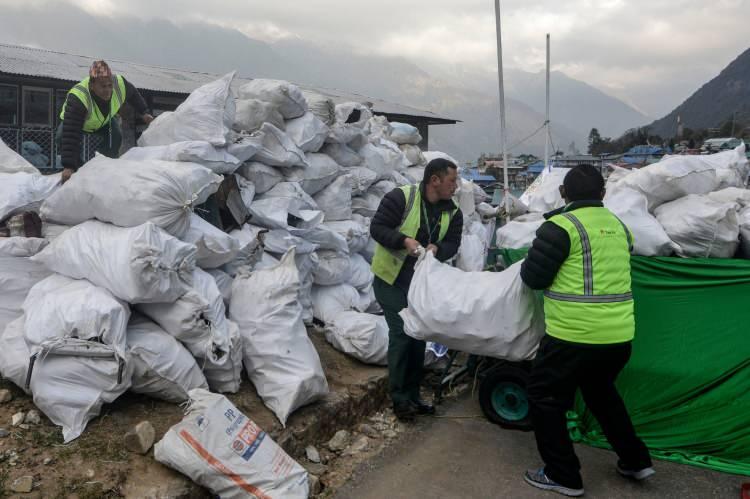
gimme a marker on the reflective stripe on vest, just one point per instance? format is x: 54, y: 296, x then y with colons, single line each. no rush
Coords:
x: 95, y: 120
x: 387, y: 263
x: 590, y: 300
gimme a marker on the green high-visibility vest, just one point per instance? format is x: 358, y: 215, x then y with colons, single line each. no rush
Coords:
x: 95, y: 120
x: 387, y: 263
x: 590, y: 300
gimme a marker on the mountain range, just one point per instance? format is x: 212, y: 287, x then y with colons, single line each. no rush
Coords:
x: 714, y: 103
x: 470, y: 97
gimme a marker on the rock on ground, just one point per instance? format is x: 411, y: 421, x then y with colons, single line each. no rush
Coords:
x: 339, y: 441
x: 140, y: 438
x: 22, y: 484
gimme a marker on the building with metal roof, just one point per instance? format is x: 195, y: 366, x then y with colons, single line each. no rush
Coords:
x: 34, y: 83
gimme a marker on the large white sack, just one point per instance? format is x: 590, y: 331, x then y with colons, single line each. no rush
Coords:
x: 308, y: 132
x: 283, y: 213
x: 218, y: 160
x: 252, y: 113
x: 737, y: 195
x: 223, y: 283
x: 700, y: 226
x: 162, y: 367
x: 353, y: 113
x: 335, y: 200
x: 366, y: 205
x: 519, y: 233
x: 280, y: 359
x: 381, y: 188
x: 14, y: 353
x: 163, y: 192
x: 207, y: 114
x: 363, y: 336
x: 197, y: 318
x: 333, y: 268
x: 286, y: 205
x: 323, y: 237
x: 403, y: 133
x: 23, y: 191
x: 12, y: 162
x: 378, y: 127
x: 399, y: 179
x: 18, y: 274
x: 356, y: 234
x: 543, y: 194
x: 413, y: 154
x: 618, y: 173
x: 223, y: 450
x: 464, y: 197
x: 744, y: 220
x: 277, y: 149
x: 485, y: 313
x: 307, y: 263
x: 227, y: 376
x: 672, y: 178
x: 430, y: 155
x: 361, y: 275
x: 251, y: 249
x: 262, y: 176
x: 382, y: 159
x: 322, y: 107
x: 415, y: 174
x: 286, y: 97
x: 329, y: 301
x: 471, y: 254
x: 342, y: 154
x: 136, y: 264
x: 362, y: 179
x: 321, y: 171
x: 72, y: 379
x: 214, y: 246
x: 244, y: 145
x: 61, y: 307
x: 649, y: 237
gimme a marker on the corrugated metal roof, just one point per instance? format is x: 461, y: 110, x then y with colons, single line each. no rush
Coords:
x: 35, y: 62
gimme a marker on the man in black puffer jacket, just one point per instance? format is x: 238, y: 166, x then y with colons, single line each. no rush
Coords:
x: 91, y: 107
x: 408, y: 218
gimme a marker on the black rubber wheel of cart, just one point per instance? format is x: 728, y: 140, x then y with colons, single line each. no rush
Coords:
x: 503, y: 398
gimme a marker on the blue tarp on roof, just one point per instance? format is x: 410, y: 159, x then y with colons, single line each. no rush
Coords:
x: 646, y: 151
x: 537, y: 167
x: 474, y: 175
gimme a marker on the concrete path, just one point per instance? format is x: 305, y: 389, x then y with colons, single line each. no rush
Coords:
x: 461, y: 455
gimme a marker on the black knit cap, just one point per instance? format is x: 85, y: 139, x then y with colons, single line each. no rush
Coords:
x: 583, y: 183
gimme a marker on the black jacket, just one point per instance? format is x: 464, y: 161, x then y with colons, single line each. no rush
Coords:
x: 387, y: 219
x: 549, y: 250
x: 75, y: 116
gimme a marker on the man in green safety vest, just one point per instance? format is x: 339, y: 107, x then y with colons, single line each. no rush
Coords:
x: 409, y: 218
x: 581, y: 259
x: 91, y: 107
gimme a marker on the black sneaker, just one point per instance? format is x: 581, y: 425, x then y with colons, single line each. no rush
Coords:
x: 639, y: 474
x: 405, y: 412
x: 537, y: 478
x: 424, y: 408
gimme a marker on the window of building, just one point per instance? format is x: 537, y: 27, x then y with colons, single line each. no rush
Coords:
x: 8, y: 105
x: 37, y: 106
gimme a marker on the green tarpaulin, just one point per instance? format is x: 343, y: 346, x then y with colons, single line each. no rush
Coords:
x: 687, y: 385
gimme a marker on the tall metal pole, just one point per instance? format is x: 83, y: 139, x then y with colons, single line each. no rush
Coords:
x: 546, y: 117
x: 501, y: 90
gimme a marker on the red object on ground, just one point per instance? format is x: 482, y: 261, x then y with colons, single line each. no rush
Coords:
x: 745, y: 494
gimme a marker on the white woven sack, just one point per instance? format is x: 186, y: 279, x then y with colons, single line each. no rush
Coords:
x: 223, y: 450
x: 163, y: 192
x: 136, y: 264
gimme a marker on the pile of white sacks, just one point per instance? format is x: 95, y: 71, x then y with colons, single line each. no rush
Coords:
x: 130, y: 290
x: 691, y: 206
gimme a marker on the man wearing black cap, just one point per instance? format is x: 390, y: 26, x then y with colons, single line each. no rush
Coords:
x: 91, y: 107
x: 581, y: 259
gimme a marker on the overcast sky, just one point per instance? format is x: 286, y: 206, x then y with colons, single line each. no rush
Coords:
x: 651, y: 53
